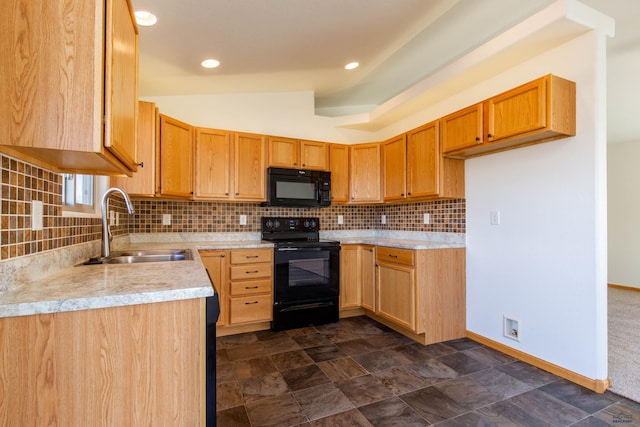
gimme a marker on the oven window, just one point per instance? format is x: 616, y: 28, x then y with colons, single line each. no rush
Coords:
x: 305, y: 272
x: 295, y: 190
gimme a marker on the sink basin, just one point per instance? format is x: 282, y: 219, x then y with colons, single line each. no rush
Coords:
x: 134, y: 257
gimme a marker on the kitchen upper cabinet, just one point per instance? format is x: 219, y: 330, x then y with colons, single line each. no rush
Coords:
x: 213, y: 156
x: 143, y: 182
x: 300, y: 154
x: 249, y: 151
x: 364, y: 160
x: 68, y: 84
x: 394, y: 166
x: 339, y: 167
x: 175, y: 158
x: 429, y: 174
x: 538, y: 111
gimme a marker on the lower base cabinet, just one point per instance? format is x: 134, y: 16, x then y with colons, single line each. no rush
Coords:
x: 243, y: 279
x: 420, y: 293
x: 137, y: 365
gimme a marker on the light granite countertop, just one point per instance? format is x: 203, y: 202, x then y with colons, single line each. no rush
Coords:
x: 54, y: 282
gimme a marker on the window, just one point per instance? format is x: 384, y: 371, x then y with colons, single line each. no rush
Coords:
x: 80, y: 194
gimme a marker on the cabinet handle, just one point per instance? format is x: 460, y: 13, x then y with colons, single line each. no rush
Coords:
x: 252, y: 256
x: 477, y: 138
x: 393, y: 256
x: 251, y: 287
x: 141, y: 164
x: 249, y: 303
x: 252, y: 272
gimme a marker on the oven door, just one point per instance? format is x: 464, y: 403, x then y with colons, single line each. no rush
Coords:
x: 306, y: 274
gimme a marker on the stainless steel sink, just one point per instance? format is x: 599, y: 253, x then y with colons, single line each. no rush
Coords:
x: 134, y: 257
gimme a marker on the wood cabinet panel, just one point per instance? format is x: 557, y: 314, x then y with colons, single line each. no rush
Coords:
x: 365, y: 173
x: 400, y: 256
x: 143, y: 181
x: 250, y: 287
x: 339, y: 167
x: 314, y: 155
x: 216, y: 263
x: 396, y: 294
x: 424, y: 161
x: 212, y: 164
x: 120, y: 366
x: 249, y: 166
x: 462, y: 129
x: 175, y: 158
x: 251, y: 256
x: 368, y: 260
x: 284, y: 152
x: 394, y: 161
x: 253, y: 308
x: 350, y: 276
x: 251, y: 271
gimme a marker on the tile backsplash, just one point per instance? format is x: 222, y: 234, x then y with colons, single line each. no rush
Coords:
x: 23, y: 183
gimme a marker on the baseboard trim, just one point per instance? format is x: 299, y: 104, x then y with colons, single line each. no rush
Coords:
x: 599, y: 386
x: 626, y: 288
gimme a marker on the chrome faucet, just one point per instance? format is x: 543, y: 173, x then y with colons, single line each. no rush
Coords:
x: 106, y: 230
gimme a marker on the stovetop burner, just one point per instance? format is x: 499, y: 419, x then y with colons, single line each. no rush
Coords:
x: 294, y: 232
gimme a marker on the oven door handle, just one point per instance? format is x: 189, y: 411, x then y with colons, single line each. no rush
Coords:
x: 308, y: 249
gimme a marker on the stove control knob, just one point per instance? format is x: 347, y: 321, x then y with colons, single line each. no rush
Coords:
x: 269, y: 224
x: 276, y: 224
x: 306, y: 223
x: 313, y: 223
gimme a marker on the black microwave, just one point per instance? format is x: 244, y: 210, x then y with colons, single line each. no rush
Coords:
x: 298, y: 188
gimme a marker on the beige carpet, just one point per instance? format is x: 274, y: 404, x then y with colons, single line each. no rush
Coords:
x: 624, y: 342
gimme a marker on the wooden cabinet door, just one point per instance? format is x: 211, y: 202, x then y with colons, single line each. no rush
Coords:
x: 250, y: 166
x: 517, y: 111
x: 143, y: 182
x: 462, y: 129
x: 175, y: 158
x: 216, y: 264
x: 339, y: 167
x: 396, y: 294
x: 350, y: 276
x: 365, y: 173
x: 423, y: 161
x: 394, y: 159
x: 212, y: 164
x: 368, y: 271
x: 283, y: 152
x: 121, y: 88
x: 314, y: 155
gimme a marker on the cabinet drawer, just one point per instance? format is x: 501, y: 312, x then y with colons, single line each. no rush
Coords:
x: 251, y: 271
x: 253, y: 308
x: 250, y: 287
x: 248, y: 256
x: 399, y: 256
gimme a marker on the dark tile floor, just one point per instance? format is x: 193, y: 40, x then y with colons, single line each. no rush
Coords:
x: 359, y: 373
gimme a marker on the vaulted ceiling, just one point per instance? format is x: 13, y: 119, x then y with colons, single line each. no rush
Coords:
x: 294, y: 45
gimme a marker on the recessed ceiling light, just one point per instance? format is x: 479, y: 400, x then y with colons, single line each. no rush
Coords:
x: 210, y: 63
x: 146, y: 19
x: 351, y: 66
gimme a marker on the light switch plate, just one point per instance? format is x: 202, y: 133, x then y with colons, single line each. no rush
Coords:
x: 383, y: 220
x: 495, y: 217
x: 340, y: 219
x: 243, y: 220
x: 426, y: 218
x: 166, y: 219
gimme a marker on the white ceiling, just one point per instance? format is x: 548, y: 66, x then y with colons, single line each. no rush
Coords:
x: 296, y: 45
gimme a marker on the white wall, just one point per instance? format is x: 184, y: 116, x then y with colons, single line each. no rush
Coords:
x: 545, y: 264
x: 289, y: 114
x: 624, y: 213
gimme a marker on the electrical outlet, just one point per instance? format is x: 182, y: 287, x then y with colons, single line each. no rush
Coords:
x: 243, y: 220
x: 112, y: 217
x: 37, y: 215
x: 426, y: 218
x: 117, y: 218
x: 340, y: 219
x: 511, y: 328
x: 383, y: 219
x: 166, y: 219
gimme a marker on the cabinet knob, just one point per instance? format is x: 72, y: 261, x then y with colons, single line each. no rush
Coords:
x: 237, y: 194
x: 477, y: 138
x: 141, y: 164
x: 401, y: 194
x: 408, y: 194
x: 489, y: 135
x: 304, y: 164
x: 221, y: 255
